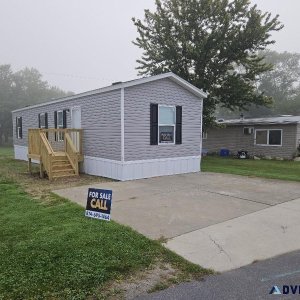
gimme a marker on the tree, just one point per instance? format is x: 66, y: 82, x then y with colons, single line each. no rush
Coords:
x: 21, y: 89
x: 213, y: 44
x: 281, y: 83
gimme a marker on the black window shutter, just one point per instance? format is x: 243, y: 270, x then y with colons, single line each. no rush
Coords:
x: 46, y: 120
x: 55, y: 119
x: 39, y: 120
x: 178, y: 139
x: 153, y: 124
x: 21, y: 128
x: 55, y: 125
x: 64, y: 119
x: 46, y: 123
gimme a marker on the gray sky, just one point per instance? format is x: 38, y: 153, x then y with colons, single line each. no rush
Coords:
x: 81, y: 45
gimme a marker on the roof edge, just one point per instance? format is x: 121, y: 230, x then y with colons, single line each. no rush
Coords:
x: 185, y: 84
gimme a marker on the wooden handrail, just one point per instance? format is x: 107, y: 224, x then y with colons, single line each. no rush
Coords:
x: 70, y: 143
x: 46, y: 154
x: 46, y: 143
x: 71, y: 153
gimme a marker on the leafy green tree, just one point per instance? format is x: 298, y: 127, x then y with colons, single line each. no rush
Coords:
x: 213, y: 44
x: 21, y: 89
x: 281, y: 83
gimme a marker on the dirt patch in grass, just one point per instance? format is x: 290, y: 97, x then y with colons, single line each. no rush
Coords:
x: 140, y: 283
x: 158, y: 277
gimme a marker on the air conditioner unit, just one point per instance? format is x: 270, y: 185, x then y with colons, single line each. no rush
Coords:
x: 248, y: 130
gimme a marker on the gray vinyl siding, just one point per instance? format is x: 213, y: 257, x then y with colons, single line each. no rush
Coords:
x: 137, y: 120
x: 100, y: 120
x: 232, y: 138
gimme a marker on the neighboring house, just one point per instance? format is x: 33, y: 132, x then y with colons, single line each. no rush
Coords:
x: 136, y: 129
x: 275, y: 137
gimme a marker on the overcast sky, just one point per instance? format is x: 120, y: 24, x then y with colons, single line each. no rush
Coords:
x: 82, y: 45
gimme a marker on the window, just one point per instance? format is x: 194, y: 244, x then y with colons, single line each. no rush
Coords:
x: 60, y: 118
x: 19, y: 133
x: 166, y: 124
x: 204, y: 135
x: 43, y: 120
x: 60, y: 122
x: 248, y: 130
x: 268, y: 137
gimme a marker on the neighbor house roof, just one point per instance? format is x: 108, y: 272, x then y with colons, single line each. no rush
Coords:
x: 262, y: 121
x: 186, y: 85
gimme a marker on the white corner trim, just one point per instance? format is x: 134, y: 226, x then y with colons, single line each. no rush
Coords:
x: 201, y: 136
x: 122, y: 125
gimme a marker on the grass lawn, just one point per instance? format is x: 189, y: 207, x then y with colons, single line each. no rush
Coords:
x: 49, y: 250
x: 284, y: 170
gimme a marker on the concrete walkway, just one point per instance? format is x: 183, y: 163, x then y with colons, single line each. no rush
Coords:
x: 241, y: 241
x: 216, y: 220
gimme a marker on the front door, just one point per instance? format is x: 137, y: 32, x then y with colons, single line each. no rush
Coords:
x: 75, y: 123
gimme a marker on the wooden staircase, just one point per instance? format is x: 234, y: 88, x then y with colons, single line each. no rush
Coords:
x: 61, y: 166
x: 61, y: 162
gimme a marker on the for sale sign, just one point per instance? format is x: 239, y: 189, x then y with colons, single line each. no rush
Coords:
x: 98, y: 204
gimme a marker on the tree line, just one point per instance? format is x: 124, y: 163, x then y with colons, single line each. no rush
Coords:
x: 19, y: 89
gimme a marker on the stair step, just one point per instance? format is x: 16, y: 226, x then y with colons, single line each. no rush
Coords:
x: 60, y: 162
x: 63, y: 175
x: 61, y: 167
x: 60, y: 158
x: 70, y: 170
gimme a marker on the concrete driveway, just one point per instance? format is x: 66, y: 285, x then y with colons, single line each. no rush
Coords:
x: 215, y: 220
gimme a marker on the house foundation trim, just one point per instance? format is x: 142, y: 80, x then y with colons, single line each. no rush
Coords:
x: 130, y: 170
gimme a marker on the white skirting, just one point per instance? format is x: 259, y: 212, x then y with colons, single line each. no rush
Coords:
x: 130, y: 170
x: 21, y: 152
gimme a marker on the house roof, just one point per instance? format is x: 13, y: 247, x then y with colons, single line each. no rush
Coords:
x: 197, y: 92
x: 262, y: 121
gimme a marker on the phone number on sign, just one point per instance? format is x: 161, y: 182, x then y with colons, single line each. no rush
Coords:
x: 97, y: 215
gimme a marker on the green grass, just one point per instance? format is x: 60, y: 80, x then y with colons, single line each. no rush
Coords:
x: 49, y: 250
x: 284, y: 170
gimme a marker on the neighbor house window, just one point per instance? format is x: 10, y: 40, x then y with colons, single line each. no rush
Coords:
x: 248, y: 130
x: 268, y: 137
x: 166, y: 124
x: 19, y: 130
x: 204, y: 135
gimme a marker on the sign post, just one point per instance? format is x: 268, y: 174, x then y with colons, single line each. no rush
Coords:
x: 98, y: 205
